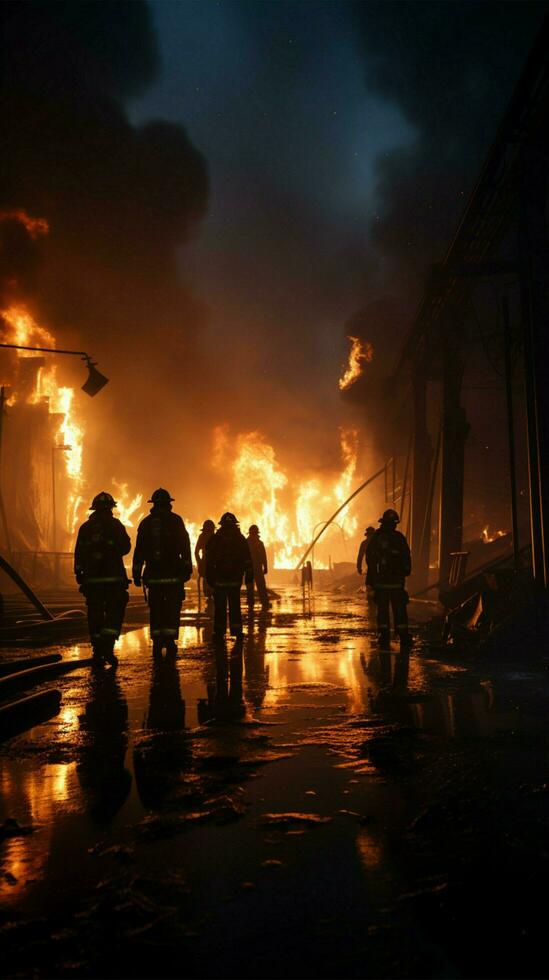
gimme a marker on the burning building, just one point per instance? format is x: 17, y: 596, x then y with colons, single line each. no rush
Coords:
x: 42, y: 443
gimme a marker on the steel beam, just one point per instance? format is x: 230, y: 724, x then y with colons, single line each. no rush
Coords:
x: 534, y: 256
x: 421, y: 467
x: 454, y: 434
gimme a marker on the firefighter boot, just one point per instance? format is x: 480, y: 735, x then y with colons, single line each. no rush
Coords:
x: 97, y: 653
x: 108, y: 651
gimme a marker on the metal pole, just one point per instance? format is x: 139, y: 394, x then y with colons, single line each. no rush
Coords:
x: 338, y: 511
x: 454, y: 434
x: 49, y: 350
x: 422, y: 456
x: 534, y: 257
x: 405, y: 483
x: 510, y: 427
x: 425, y: 540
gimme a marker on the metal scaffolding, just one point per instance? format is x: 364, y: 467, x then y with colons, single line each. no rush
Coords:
x: 508, y: 204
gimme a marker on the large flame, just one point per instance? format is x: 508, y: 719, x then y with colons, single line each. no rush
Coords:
x: 128, y: 507
x: 288, y: 514
x: 361, y: 353
x: 23, y: 329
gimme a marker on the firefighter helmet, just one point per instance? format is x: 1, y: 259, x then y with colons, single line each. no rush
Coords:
x: 369, y: 530
x: 228, y: 518
x: 389, y: 517
x: 160, y: 496
x: 103, y: 501
x: 253, y: 529
x: 208, y: 526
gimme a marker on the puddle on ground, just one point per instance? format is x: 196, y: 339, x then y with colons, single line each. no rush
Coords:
x: 188, y: 733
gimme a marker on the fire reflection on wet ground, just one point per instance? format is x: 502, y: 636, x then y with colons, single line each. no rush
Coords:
x: 245, y: 808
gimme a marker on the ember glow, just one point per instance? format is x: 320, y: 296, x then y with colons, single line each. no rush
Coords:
x: 36, y: 227
x: 286, y: 511
x: 361, y: 353
x: 487, y: 537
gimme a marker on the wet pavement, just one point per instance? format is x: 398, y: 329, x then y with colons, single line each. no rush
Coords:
x: 301, y: 805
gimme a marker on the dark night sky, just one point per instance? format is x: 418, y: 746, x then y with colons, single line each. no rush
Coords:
x: 273, y: 94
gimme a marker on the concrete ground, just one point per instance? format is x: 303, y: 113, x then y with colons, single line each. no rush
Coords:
x: 306, y: 805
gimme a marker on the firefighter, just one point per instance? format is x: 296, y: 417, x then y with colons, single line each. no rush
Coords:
x: 206, y: 532
x: 389, y: 562
x: 361, y: 559
x: 307, y: 578
x: 99, y: 569
x: 228, y: 561
x: 163, y: 546
x: 259, y: 563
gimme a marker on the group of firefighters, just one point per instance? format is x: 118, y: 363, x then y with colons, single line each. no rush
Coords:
x: 162, y: 564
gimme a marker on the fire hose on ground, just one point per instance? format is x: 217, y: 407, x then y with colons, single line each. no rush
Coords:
x: 18, y: 716
x: 50, y: 627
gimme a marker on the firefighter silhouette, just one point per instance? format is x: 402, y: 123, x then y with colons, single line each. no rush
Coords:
x: 307, y: 578
x: 260, y: 568
x: 389, y: 562
x: 164, y: 548
x: 361, y: 557
x: 206, y: 532
x: 361, y: 560
x: 228, y: 561
x: 101, y: 543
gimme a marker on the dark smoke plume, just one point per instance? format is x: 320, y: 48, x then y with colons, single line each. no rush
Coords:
x: 451, y: 69
x: 119, y: 200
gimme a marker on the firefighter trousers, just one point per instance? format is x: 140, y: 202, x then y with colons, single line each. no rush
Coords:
x: 395, y: 598
x: 165, y: 600
x: 106, y: 604
x: 227, y: 596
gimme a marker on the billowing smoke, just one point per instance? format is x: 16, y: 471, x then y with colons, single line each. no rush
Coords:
x: 119, y: 200
x: 238, y: 318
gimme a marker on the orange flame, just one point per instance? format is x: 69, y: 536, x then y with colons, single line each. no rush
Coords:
x: 361, y: 353
x: 128, y: 507
x: 487, y: 537
x: 287, y: 514
x: 24, y: 330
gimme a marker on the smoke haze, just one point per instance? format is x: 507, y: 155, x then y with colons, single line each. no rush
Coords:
x: 227, y: 186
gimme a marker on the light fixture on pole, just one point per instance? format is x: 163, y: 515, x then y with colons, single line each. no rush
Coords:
x: 95, y: 380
